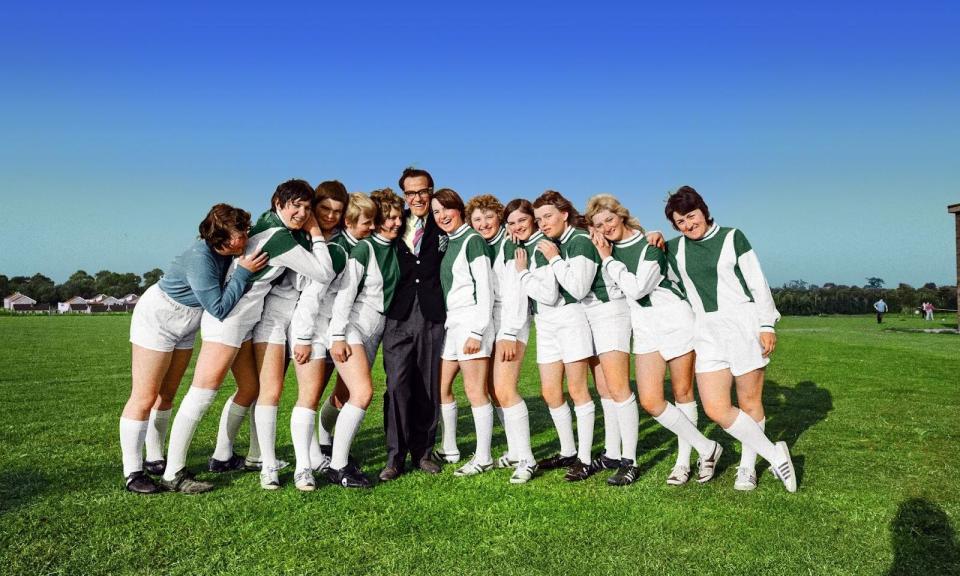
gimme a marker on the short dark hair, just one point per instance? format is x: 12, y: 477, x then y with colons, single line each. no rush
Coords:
x: 332, y: 190
x: 411, y: 172
x: 290, y: 191
x: 521, y: 204
x: 449, y: 198
x: 221, y: 223
x: 683, y: 201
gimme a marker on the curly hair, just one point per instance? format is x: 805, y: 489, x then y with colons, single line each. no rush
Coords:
x: 608, y: 202
x: 483, y: 203
x: 386, y: 200
x: 221, y: 223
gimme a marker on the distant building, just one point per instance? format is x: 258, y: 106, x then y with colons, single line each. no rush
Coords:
x: 75, y: 304
x: 955, y: 210
x: 104, y: 299
x: 18, y: 301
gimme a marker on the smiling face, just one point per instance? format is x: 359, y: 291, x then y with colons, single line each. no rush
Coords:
x: 448, y: 219
x: 294, y: 214
x: 362, y: 228
x: 235, y: 245
x: 328, y: 213
x: 416, y: 193
x: 486, y: 222
x: 610, y: 225
x: 551, y: 221
x: 693, y: 224
x: 390, y: 227
x: 520, y: 224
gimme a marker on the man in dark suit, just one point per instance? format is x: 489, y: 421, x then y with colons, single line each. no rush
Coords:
x: 413, y: 335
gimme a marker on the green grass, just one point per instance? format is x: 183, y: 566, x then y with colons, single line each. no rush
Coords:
x: 871, y: 416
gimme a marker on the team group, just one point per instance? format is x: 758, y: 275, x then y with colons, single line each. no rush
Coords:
x: 324, y: 278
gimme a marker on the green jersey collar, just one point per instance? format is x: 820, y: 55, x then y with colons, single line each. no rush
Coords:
x: 459, y: 231
x: 496, y: 237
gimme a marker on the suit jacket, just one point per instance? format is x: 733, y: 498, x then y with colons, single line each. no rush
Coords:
x: 420, y: 275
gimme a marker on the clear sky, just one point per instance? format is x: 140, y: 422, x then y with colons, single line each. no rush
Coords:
x: 829, y: 132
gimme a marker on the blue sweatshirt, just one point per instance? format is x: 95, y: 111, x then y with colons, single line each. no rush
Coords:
x: 195, y: 279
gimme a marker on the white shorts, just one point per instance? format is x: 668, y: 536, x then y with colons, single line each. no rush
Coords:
x: 367, y: 337
x: 563, y: 334
x: 729, y: 340
x: 458, y: 331
x: 161, y: 323
x: 609, y: 326
x: 665, y: 328
x: 523, y: 335
x: 318, y: 346
x: 237, y: 327
x: 275, y: 322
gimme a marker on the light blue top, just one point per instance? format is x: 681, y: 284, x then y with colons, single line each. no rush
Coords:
x: 195, y: 279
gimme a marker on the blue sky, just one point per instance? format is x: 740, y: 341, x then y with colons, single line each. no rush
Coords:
x: 829, y: 133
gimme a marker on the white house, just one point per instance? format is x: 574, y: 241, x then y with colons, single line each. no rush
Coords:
x: 105, y: 300
x: 75, y: 304
x: 16, y: 299
x: 130, y: 299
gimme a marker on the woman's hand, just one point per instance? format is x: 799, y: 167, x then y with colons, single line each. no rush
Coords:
x: 520, y: 259
x: 471, y: 346
x: 312, y: 227
x: 340, y: 351
x: 507, y: 350
x: 768, y: 341
x: 301, y: 353
x: 253, y: 262
x: 656, y: 239
x: 548, y: 248
x: 603, y: 246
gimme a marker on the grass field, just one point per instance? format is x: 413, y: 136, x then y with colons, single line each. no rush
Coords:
x: 871, y: 416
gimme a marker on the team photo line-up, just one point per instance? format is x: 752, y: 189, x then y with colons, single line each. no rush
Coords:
x: 324, y: 278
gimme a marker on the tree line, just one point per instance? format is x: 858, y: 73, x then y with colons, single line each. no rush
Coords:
x: 45, y: 291
x: 799, y: 298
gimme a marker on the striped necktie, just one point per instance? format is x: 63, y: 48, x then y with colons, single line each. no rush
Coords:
x: 417, y: 236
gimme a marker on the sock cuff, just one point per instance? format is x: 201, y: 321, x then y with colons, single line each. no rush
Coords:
x: 518, y: 410
x: 349, y: 408
x: 763, y: 424
x: 301, y: 413
x: 669, y: 415
x: 631, y: 400
x: 127, y: 422
x: 585, y: 409
x: 739, y: 421
x: 483, y: 410
x: 607, y: 402
x: 154, y: 413
x: 201, y: 394
x: 560, y: 411
x: 448, y: 407
x: 683, y: 405
x: 238, y: 410
x: 267, y: 411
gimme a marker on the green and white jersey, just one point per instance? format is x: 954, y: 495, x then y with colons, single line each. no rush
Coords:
x: 640, y: 271
x: 288, y: 249
x: 538, y: 281
x: 316, y: 299
x: 366, y: 290
x: 466, y: 277
x: 495, y: 252
x: 513, y: 304
x: 720, y: 272
x: 578, y: 271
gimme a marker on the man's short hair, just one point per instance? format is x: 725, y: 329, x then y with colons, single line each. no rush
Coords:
x: 411, y: 172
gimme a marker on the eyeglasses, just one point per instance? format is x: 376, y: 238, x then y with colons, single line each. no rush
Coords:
x: 423, y: 192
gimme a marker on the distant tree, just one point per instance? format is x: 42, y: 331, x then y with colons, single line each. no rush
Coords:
x: 796, y: 285
x: 79, y: 284
x: 152, y: 277
x: 40, y: 288
x: 5, y: 286
x: 114, y: 284
x: 874, y: 283
x: 930, y: 286
x: 829, y: 286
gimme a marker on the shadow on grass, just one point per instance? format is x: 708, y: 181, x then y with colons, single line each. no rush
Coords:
x: 791, y: 411
x: 923, y: 539
x: 20, y: 487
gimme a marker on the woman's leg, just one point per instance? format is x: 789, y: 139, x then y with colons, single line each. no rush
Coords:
x: 310, y: 382
x: 235, y: 409
x: 681, y: 382
x: 615, y: 366
x: 160, y: 413
x: 516, y: 418
x: 750, y: 400
x: 148, y: 368
x: 475, y: 385
x: 583, y: 406
x: 271, y: 364
x: 611, y: 427
x: 448, y: 411
x: 551, y: 388
x: 356, y: 375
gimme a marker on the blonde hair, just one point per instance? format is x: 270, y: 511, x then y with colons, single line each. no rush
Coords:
x: 483, y: 203
x: 359, y: 205
x: 386, y: 201
x: 601, y: 202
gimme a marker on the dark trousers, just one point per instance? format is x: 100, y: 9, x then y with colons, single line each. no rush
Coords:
x: 879, y: 317
x: 411, y: 404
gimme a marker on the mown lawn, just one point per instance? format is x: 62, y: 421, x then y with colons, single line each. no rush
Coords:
x: 871, y: 415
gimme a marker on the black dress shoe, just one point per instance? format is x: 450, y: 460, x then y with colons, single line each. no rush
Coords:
x: 156, y: 467
x: 390, y: 473
x: 139, y: 483
x: 429, y: 466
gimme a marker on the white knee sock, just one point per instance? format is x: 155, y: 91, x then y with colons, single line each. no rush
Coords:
x: 674, y: 420
x: 267, y: 435
x: 157, y: 433
x: 347, y: 425
x: 132, y: 434
x: 563, y: 421
x: 689, y: 409
x: 316, y: 456
x: 628, y: 420
x: 230, y: 420
x: 751, y: 435
x: 498, y: 410
x: 194, y: 405
x: 253, y: 452
x: 748, y: 456
x: 328, y: 419
x: 448, y: 414
x: 611, y: 429
x: 586, y: 414
x: 483, y: 422
x: 516, y: 422
x: 301, y: 431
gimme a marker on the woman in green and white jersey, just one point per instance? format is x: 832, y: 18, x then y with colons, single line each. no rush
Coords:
x: 467, y: 283
x: 356, y: 327
x: 662, y: 324
x: 289, y: 234
x: 734, y: 330
x: 352, y: 219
